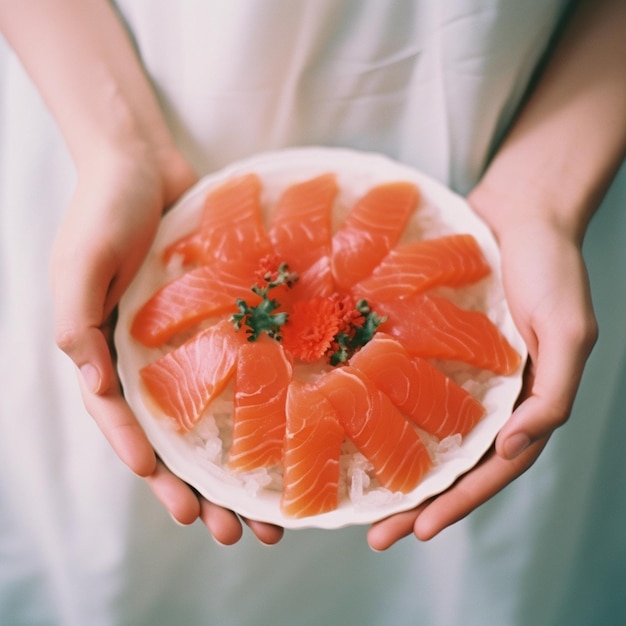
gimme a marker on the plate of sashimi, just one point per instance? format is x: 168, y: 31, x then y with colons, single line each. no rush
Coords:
x: 319, y: 337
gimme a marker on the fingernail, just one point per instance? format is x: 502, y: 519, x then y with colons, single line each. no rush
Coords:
x: 91, y: 377
x: 515, y: 445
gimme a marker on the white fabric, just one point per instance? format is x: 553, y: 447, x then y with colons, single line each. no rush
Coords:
x: 82, y: 541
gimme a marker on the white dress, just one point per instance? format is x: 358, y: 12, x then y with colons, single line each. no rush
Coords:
x: 83, y: 541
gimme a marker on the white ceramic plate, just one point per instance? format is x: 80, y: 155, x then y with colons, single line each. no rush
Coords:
x: 441, y: 212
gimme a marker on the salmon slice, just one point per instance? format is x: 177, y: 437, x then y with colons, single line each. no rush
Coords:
x: 199, y: 294
x: 228, y: 206
x: 185, y: 381
x: 371, y: 229
x: 261, y: 381
x: 311, y: 455
x: 452, y: 261
x: 239, y: 246
x: 377, y: 428
x: 433, y: 327
x: 424, y: 394
x: 301, y: 222
x: 316, y: 281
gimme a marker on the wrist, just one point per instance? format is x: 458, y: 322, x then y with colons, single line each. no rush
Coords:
x: 569, y: 139
x: 115, y: 121
x: 507, y: 200
x: 88, y: 73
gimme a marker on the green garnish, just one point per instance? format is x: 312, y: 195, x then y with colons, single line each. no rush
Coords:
x: 261, y: 318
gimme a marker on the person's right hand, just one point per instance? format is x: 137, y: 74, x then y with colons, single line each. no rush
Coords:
x: 87, y: 70
x: 103, y: 238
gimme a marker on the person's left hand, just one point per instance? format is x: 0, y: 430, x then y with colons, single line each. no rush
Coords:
x: 547, y: 288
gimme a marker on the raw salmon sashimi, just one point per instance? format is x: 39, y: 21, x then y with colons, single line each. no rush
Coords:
x: 232, y: 204
x: 194, y: 296
x: 371, y: 229
x: 313, y: 441
x: 300, y: 230
x: 184, y: 381
x: 377, y: 428
x: 433, y: 327
x: 238, y: 246
x: 427, y: 396
x: 340, y: 323
x: 451, y: 261
x: 261, y: 380
x: 316, y: 280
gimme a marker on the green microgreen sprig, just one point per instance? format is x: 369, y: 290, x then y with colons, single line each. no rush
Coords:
x: 261, y: 317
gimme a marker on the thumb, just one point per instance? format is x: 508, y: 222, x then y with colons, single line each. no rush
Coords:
x: 81, y: 282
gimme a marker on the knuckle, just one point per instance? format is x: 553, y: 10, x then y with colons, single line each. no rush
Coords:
x: 67, y: 337
x: 559, y: 416
x: 593, y: 332
x: 582, y: 332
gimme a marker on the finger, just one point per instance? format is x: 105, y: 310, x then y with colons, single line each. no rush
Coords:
x: 175, y: 495
x: 382, y: 535
x: 562, y: 353
x: 268, y: 534
x: 223, y: 524
x: 91, y: 353
x: 473, y: 489
x: 121, y: 429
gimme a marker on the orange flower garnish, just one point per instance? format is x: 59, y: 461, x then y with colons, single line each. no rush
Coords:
x: 311, y: 328
x: 274, y: 272
x: 333, y: 327
x: 346, y: 312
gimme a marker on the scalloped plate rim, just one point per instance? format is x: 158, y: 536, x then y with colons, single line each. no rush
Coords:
x: 265, y: 506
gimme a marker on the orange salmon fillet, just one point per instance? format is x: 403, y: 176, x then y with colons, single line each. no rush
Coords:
x: 451, y: 261
x: 312, y: 446
x: 197, y: 295
x: 371, y: 229
x: 185, y: 381
x: 433, y: 327
x: 263, y: 375
x: 424, y: 394
x: 377, y: 428
x: 300, y: 230
x: 229, y: 206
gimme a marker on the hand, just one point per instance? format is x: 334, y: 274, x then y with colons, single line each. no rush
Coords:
x: 103, y: 238
x: 546, y: 284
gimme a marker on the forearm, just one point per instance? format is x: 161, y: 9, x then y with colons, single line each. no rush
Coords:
x: 84, y: 65
x: 570, y: 137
